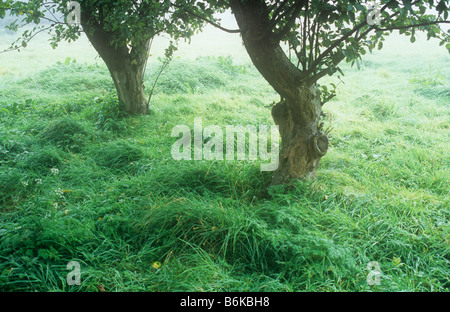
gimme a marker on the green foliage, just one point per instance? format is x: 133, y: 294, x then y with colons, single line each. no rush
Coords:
x: 226, y: 64
x: 320, y: 35
x: 118, y: 204
x: 126, y: 22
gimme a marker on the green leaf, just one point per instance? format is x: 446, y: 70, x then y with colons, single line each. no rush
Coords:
x: 407, y: 4
x: 380, y: 45
x: 441, y: 7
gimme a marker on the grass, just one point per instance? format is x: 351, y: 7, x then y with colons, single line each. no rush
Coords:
x: 81, y: 182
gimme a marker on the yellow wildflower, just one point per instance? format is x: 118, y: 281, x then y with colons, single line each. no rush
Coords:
x: 156, y: 265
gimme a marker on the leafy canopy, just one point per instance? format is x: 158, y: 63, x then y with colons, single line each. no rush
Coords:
x: 130, y: 22
x: 322, y: 33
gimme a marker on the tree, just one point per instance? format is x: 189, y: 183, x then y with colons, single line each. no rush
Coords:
x: 320, y: 34
x: 120, y: 31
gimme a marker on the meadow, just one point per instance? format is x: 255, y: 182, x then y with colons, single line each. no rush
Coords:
x: 79, y: 181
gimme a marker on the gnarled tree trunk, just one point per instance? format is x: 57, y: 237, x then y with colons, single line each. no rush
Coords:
x: 298, y: 114
x: 303, y: 142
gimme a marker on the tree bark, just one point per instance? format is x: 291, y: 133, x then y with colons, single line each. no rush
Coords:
x: 126, y: 65
x: 128, y: 81
x: 303, y: 143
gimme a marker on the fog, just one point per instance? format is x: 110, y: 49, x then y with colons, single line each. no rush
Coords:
x: 210, y: 42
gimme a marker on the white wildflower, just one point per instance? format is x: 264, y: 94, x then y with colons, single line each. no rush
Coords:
x: 25, y: 183
x: 54, y: 171
x: 59, y: 192
x: 38, y: 181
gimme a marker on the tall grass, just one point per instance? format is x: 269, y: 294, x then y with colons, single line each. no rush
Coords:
x: 81, y: 182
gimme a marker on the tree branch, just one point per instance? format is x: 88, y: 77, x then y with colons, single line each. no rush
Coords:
x: 231, y: 31
x: 342, y: 39
x: 297, y: 8
x: 275, y: 18
x: 27, y: 40
x: 413, y: 25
